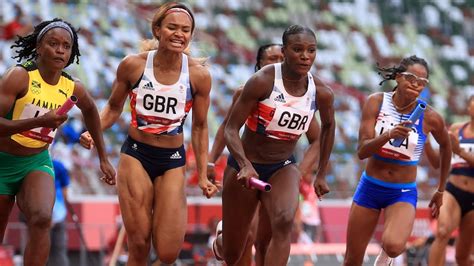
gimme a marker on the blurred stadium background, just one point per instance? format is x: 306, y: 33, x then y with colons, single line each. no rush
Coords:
x: 353, y: 36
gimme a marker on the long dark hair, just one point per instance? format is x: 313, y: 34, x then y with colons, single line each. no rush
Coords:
x: 27, y: 45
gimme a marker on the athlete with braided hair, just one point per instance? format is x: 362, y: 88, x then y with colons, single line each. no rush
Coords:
x: 389, y: 181
x: 29, y: 95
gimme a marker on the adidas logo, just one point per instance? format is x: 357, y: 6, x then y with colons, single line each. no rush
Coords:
x: 148, y: 86
x: 176, y: 155
x: 287, y: 162
x: 280, y: 98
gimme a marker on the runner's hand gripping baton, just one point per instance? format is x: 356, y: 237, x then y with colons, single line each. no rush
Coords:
x: 70, y: 102
x: 260, y: 185
x: 420, y: 108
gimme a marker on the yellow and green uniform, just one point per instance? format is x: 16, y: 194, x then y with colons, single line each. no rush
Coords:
x: 40, y: 98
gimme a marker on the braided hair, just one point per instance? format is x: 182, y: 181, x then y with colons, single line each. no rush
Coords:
x: 27, y: 45
x: 261, y: 50
x: 390, y: 73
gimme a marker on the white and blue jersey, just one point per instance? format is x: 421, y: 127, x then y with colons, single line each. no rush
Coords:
x: 459, y: 166
x: 158, y: 108
x: 410, y: 150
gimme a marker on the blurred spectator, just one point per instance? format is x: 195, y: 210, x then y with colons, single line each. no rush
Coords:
x: 18, y: 26
x: 311, y: 221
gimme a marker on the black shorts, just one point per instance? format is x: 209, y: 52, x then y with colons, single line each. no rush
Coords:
x: 465, y: 199
x: 264, y: 171
x: 156, y: 161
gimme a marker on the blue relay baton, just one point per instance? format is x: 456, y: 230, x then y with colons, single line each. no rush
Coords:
x: 420, y: 108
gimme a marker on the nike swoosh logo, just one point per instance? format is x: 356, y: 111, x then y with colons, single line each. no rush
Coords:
x: 405, y: 190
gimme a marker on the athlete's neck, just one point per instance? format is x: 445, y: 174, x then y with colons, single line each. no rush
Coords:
x: 167, y: 61
x: 289, y: 75
x: 50, y: 76
x: 401, y: 103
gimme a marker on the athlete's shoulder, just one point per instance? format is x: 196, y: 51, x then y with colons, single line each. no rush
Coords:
x: 322, y: 88
x: 198, y: 70
x: 376, y: 96
x: 134, y: 60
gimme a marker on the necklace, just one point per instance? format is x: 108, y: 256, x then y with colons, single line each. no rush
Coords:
x: 404, y: 107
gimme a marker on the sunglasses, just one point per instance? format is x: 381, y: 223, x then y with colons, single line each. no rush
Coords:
x: 412, y: 78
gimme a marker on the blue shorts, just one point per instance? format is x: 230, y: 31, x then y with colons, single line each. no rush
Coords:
x: 264, y: 171
x: 377, y: 194
x: 156, y: 161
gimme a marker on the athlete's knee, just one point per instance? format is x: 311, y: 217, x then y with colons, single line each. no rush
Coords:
x: 139, y: 244
x: 168, y: 257
x: 283, y: 223
x: 394, y: 248
x: 443, y: 233
x: 39, y: 220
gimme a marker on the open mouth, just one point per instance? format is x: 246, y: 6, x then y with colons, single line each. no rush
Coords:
x: 177, y: 43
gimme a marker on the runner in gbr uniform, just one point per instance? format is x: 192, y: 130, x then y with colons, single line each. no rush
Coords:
x: 277, y: 106
x: 163, y: 84
x: 458, y: 207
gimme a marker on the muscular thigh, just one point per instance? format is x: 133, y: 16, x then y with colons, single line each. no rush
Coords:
x: 399, y: 219
x: 283, y: 198
x: 238, y: 209
x: 465, y: 242
x: 37, y: 194
x: 450, y: 213
x: 135, y: 192
x: 170, y: 201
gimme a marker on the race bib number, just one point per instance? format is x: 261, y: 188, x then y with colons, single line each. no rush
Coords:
x: 406, y: 151
x: 33, y: 111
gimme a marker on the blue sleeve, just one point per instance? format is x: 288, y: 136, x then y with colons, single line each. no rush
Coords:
x: 61, y: 173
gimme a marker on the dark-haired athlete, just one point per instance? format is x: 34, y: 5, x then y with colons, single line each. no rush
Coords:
x: 458, y: 200
x: 389, y: 179
x: 277, y: 104
x: 29, y: 95
x: 259, y: 234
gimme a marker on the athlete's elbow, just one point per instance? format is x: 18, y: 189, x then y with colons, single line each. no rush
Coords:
x: 362, y: 154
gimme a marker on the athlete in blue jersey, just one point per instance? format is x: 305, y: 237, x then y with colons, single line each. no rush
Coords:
x: 389, y: 179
